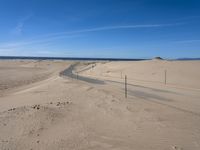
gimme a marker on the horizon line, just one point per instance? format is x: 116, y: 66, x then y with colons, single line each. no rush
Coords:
x: 93, y: 58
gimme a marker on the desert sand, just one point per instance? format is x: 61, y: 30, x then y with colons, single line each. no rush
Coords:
x: 66, y: 105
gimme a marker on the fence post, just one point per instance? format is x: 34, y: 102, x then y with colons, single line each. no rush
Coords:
x: 125, y: 86
x: 165, y: 77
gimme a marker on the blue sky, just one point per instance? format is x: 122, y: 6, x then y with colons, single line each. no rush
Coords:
x: 100, y: 28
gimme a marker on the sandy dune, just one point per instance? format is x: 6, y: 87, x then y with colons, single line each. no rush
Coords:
x: 39, y: 109
x: 179, y: 73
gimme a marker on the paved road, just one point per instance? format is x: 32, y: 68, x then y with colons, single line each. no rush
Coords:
x: 136, y: 91
x: 69, y: 73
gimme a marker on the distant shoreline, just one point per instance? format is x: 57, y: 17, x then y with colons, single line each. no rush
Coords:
x: 68, y: 58
x: 85, y: 58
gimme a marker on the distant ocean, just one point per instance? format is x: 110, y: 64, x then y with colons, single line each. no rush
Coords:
x: 69, y: 58
x: 188, y: 59
x: 84, y: 59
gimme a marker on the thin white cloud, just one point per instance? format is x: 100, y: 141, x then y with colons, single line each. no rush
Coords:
x: 11, y: 45
x: 71, y: 34
x: 113, y: 28
x: 20, y: 25
x: 18, y: 28
x: 8, y: 52
x: 188, y: 41
x: 53, y: 53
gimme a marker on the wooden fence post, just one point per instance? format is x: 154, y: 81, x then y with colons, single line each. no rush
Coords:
x: 125, y: 86
x: 165, y: 77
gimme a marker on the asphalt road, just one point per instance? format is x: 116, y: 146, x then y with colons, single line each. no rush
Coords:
x: 134, y: 91
x: 69, y: 73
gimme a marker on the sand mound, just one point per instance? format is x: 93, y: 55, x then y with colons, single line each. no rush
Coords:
x: 158, y: 58
x: 80, y: 114
x: 32, y: 123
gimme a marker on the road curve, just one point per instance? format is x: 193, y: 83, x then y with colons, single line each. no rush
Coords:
x: 69, y: 73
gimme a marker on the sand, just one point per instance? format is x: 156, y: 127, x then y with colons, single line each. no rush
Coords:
x: 42, y: 108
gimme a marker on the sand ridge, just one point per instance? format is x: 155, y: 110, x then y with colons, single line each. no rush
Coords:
x: 66, y: 113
